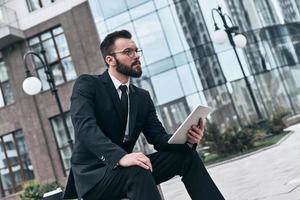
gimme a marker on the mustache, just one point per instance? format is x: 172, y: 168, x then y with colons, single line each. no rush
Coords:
x: 136, y: 62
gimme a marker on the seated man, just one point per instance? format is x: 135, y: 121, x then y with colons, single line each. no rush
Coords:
x: 108, y: 114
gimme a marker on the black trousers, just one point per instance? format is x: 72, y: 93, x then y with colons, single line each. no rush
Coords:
x: 137, y: 183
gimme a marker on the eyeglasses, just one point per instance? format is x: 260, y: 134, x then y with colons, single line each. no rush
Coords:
x: 130, y: 52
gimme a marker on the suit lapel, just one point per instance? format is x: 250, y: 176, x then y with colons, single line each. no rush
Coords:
x: 113, y: 94
x: 133, y: 109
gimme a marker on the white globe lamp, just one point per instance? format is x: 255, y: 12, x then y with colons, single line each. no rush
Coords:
x: 32, y: 85
x: 240, y: 40
x: 219, y: 36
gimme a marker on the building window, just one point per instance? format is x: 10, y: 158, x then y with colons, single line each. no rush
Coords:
x: 15, y: 164
x: 6, y: 95
x: 57, y: 54
x: 37, y: 4
x: 62, y: 140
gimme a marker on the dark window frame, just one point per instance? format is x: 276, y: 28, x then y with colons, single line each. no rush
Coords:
x: 15, y: 186
x: 1, y: 87
x: 64, y: 146
x: 31, y: 9
x: 59, y: 59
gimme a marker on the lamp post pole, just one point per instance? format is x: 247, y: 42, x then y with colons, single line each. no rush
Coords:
x: 229, y: 31
x: 52, y: 85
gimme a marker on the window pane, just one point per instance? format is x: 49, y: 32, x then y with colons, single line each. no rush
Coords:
x: 37, y: 49
x: 33, y: 4
x: 167, y: 87
x: 186, y: 79
x: 1, y: 98
x: 171, y: 31
x: 57, y: 73
x: 14, y: 162
x: 132, y: 3
x: 43, y: 78
x: 33, y: 41
x: 142, y: 10
x: 117, y: 20
x: 10, y: 149
x: 7, y: 93
x: 111, y: 8
x: 6, y: 180
x: 23, y: 150
x: 150, y: 38
x: 50, y: 50
x: 66, y: 154
x: 3, y: 72
x: 57, y: 30
x: 69, y: 69
x: 46, y: 35
x: 62, y: 46
x: 62, y: 139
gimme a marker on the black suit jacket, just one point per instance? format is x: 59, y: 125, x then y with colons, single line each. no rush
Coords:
x: 97, y: 120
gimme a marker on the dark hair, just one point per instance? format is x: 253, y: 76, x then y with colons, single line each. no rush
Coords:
x: 108, y: 43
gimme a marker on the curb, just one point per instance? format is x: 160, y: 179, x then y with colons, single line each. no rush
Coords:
x: 251, y: 153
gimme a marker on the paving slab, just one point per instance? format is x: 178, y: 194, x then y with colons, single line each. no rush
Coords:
x: 270, y: 174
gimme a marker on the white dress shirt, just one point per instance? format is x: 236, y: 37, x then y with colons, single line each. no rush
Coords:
x: 117, y: 84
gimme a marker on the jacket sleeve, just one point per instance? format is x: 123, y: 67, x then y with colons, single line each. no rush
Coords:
x: 87, y: 131
x: 155, y: 132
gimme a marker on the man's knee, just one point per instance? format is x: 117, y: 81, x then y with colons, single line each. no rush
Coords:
x: 186, y: 156
x: 137, y: 172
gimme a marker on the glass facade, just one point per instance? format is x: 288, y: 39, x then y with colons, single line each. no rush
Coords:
x: 57, y: 54
x: 182, y: 68
x: 15, y: 165
x: 6, y: 94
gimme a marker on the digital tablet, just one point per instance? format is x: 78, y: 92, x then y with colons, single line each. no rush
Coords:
x: 180, y: 135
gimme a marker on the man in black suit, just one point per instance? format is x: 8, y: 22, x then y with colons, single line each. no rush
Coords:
x: 108, y: 114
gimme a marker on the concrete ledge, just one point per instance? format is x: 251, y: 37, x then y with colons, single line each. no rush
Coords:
x: 291, y: 120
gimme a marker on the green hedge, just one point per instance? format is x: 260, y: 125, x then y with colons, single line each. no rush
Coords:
x: 35, y: 191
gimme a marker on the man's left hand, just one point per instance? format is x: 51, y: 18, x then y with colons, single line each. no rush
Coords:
x: 196, y: 132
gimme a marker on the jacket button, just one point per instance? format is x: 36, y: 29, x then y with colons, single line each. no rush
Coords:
x: 102, y: 158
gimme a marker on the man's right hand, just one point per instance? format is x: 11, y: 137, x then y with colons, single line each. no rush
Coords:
x: 136, y: 159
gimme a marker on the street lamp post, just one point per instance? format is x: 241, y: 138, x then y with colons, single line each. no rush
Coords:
x: 238, y: 40
x: 32, y: 86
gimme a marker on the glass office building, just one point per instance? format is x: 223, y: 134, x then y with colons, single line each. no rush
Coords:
x: 182, y: 68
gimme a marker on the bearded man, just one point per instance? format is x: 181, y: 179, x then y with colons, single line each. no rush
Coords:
x: 108, y: 115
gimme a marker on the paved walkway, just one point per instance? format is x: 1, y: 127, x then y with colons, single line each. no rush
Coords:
x: 272, y: 174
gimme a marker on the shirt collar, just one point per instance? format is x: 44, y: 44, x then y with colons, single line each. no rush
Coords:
x: 117, y: 83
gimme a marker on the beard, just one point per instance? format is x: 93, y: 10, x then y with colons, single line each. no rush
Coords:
x: 129, y: 70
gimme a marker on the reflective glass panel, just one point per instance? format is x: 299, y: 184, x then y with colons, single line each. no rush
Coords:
x: 186, y: 79
x: 167, y: 86
x: 3, y: 72
x: 111, y: 8
x: 50, y: 50
x: 69, y: 69
x: 43, y: 78
x: 62, y: 46
x: 170, y: 30
x: 142, y: 10
x: 7, y: 93
x: 57, y: 73
x: 152, y: 39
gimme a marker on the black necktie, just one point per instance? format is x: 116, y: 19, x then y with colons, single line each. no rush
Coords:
x: 124, y: 104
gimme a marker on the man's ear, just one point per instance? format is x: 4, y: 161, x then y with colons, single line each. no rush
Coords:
x: 110, y: 60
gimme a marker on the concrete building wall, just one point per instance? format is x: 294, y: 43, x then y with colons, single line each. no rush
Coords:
x: 31, y: 114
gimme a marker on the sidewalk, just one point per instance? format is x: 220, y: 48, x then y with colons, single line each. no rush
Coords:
x: 272, y: 174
